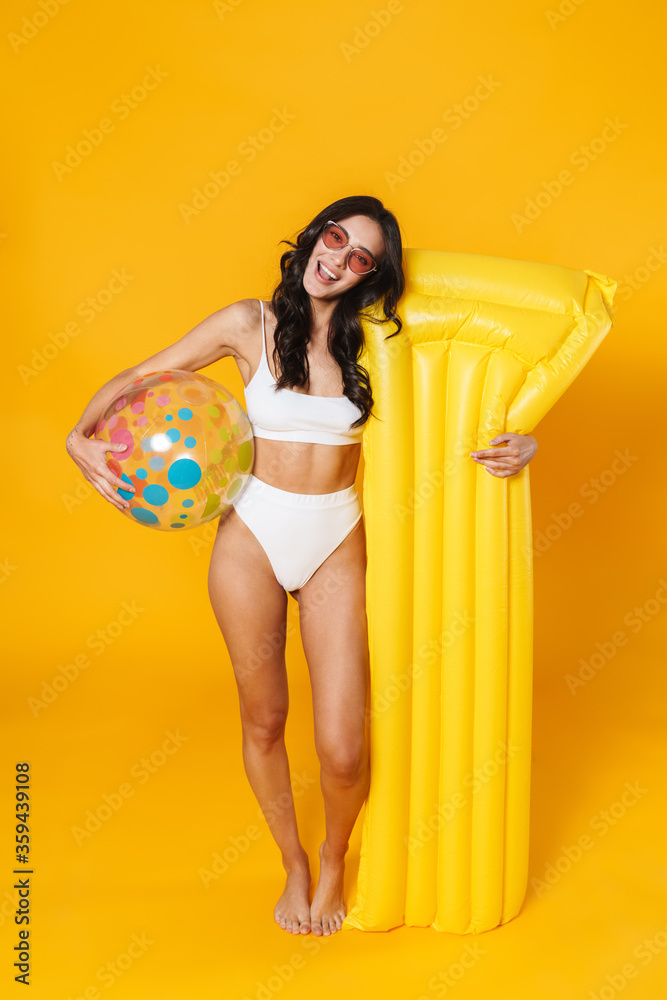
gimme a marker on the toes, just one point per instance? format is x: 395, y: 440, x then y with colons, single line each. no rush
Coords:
x: 327, y: 925
x: 293, y: 925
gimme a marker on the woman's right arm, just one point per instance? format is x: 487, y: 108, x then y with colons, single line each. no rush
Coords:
x: 222, y: 334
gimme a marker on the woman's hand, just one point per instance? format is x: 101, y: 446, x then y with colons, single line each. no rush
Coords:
x: 88, y: 453
x: 510, y: 459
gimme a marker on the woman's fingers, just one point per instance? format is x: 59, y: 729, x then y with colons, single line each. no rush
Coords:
x: 97, y: 472
x: 501, y: 465
x: 511, y: 457
x: 89, y: 455
x: 105, y: 472
x: 105, y: 489
x: 112, y: 483
x: 510, y: 463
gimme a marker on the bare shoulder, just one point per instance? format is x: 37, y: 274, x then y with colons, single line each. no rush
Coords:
x: 241, y: 330
x: 228, y: 332
x: 237, y: 321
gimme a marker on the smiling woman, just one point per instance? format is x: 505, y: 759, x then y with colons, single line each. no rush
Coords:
x: 298, y: 529
x: 298, y: 526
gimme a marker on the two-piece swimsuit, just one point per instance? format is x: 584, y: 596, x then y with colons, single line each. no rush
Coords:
x: 297, y: 530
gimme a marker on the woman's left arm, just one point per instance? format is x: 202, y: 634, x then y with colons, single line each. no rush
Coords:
x: 517, y: 451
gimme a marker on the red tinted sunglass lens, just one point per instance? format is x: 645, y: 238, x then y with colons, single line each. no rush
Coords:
x: 333, y: 237
x: 360, y: 263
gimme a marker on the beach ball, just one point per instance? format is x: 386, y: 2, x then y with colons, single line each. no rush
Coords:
x: 189, y: 451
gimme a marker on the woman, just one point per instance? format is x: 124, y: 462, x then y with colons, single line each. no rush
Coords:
x: 297, y: 527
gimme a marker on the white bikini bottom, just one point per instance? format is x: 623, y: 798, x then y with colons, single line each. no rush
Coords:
x: 297, y: 530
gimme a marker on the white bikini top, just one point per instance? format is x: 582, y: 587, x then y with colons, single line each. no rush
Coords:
x: 286, y: 415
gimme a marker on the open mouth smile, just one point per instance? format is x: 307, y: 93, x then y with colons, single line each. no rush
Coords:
x: 325, y: 274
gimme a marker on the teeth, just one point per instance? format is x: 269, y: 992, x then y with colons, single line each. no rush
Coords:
x: 327, y: 271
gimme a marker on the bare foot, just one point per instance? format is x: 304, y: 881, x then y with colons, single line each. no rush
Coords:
x: 327, y: 909
x: 292, y: 911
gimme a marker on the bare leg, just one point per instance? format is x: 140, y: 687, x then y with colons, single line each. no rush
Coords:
x: 334, y: 632
x: 251, y: 609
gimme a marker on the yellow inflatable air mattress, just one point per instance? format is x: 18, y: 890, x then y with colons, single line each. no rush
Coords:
x: 488, y: 345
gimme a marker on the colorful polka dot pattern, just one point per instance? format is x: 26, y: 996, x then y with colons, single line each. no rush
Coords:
x: 189, y: 451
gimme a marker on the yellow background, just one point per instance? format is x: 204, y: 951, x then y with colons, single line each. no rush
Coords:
x: 363, y: 94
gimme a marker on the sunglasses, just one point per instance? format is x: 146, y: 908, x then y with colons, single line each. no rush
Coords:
x: 359, y: 260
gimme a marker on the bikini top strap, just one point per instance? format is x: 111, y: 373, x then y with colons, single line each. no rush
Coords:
x: 263, y: 334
